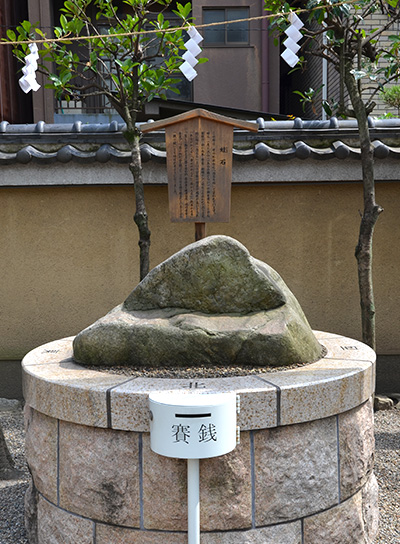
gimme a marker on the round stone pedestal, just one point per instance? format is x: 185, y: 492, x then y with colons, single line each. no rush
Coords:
x: 302, y: 473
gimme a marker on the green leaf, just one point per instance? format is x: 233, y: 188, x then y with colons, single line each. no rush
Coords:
x: 11, y: 35
x: 327, y: 108
x: 160, y: 19
x: 55, y: 79
x: 63, y: 22
x: 65, y: 77
x: 26, y: 25
x: 184, y: 11
x: 69, y: 7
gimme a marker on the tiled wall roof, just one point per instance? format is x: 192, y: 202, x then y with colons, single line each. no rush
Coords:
x: 275, y: 140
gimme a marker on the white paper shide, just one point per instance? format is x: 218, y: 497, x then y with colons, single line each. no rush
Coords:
x: 293, y: 36
x: 192, y: 49
x: 28, y: 81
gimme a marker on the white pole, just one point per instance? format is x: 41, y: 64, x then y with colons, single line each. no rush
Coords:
x: 193, y: 478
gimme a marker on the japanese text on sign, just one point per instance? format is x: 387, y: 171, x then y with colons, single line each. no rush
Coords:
x: 195, y: 184
x: 199, y: 171
x: 206, y: 433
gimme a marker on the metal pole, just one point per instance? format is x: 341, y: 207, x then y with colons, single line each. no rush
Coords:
x: 193, y: 478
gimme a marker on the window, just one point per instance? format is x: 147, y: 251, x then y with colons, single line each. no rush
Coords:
x: 227, y: 34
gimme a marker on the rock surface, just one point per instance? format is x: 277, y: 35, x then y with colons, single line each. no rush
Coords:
x: 382, y: 402
x: 216, y: 275
x: 210, y: 303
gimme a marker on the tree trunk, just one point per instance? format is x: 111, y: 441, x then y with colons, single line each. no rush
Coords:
x: 7, y: 470
x: 140, y: 216
x: 369, y: 216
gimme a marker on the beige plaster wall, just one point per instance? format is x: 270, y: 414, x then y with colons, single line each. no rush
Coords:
x: 69, y: 254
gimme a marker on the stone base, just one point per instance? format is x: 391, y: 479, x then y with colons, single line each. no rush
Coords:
x: 302, y: 473
x: 351, y: 522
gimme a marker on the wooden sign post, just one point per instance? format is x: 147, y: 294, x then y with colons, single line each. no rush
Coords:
x: 199, y: 165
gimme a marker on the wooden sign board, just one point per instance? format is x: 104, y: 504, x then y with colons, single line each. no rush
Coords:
x: 199, y: 164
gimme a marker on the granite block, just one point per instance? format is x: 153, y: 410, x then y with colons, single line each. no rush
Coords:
x: 341, y: 347
x: 287, y: 533
x: 356, y: 448
x: 41, y: 437
x: 370, y: 510
x: 50, y: 353
x: 55, y: 526
x: 164, y: 491
x: 354, y: 521
x: 99, y: 473
x: 58, y: 387
x: 129, y: 401
x: 107, y: 534
x: 69, y: 392
x: 225, y: 489
x: 323, y: 389
x: 296, y: 471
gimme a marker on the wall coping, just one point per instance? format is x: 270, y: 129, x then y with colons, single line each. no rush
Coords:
x: 275, y: 140
x: 296, y: 151
x: 58, y: 387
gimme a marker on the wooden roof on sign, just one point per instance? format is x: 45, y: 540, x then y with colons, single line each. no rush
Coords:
x: 194, y: 114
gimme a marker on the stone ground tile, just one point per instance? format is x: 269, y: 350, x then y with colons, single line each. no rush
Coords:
x: 356, y: 448
x: 296, y: 471
x: 55, y: 526
x: 41, y: 451
x: 106, y: 534
x: 343, y: 524
x: 225, y: 489
x: 164, y: 491
x: 288, y: 533
x: 99, y: 473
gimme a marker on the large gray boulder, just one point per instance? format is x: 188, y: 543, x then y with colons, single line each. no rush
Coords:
x: 210, y: 303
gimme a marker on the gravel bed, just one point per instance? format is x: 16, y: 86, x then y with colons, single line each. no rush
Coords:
x: 12, y: 528
x: 203, y: 371
x: 387, y: 470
